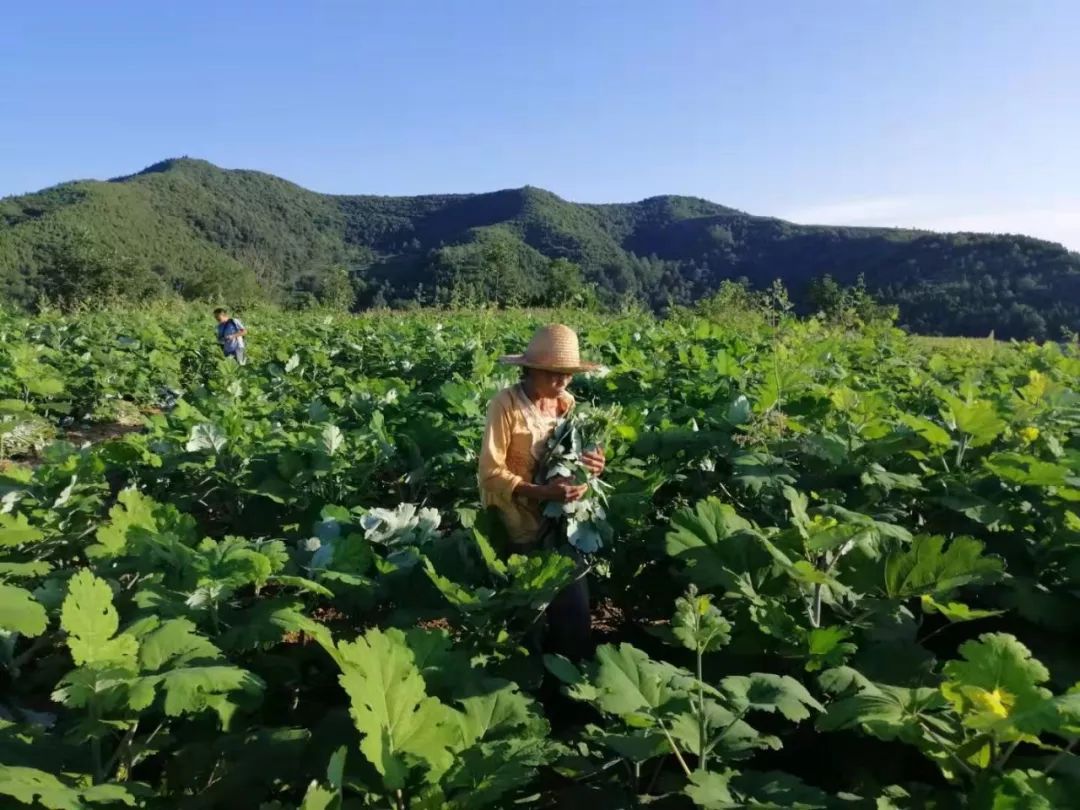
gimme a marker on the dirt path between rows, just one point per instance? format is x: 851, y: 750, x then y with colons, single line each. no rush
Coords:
x: 100, y: 431
x: 89, y: 433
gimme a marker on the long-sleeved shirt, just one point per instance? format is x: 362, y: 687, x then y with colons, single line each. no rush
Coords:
x: 229, y: 337
x: 513, y: 444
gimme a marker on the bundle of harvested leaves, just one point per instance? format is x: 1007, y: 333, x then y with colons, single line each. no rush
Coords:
x: 581, y: 523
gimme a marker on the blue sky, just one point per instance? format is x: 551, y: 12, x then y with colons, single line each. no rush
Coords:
x: 952, y: 114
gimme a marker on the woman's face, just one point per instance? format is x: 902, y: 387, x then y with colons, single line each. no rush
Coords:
x: 548, y: 383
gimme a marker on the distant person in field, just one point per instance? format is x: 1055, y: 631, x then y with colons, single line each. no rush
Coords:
x: 230, y: 335
x: 520, y: 420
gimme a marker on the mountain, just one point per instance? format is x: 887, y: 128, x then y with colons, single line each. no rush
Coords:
x: 188, y: 227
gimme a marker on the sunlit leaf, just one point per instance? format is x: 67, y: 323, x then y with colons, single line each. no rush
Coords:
x: 20, y: 612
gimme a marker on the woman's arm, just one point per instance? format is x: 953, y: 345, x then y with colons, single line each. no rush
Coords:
x: 495, y: 476
x: 558, y: 489
x: 497, y: 479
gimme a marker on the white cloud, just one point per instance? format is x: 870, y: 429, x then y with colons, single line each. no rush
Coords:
x: 1056, y: 223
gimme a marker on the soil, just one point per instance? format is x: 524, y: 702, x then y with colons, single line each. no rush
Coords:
x: 435, y: 624
x: 88, y: 432
x: 607, y: 619
x: 95, y: 432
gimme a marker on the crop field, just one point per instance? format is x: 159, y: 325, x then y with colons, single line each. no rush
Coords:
x: 840, y: 568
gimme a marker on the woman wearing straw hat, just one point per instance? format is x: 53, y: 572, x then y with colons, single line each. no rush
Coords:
x: 520, y: 420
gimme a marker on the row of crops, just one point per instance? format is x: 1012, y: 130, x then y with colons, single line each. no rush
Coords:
x: 844, y: 570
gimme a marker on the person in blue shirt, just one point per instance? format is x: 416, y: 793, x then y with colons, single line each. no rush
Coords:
x: 230, y: 334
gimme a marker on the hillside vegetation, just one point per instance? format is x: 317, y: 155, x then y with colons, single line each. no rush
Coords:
x: 190, y: 228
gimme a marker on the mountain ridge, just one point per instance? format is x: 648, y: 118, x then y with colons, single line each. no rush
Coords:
x: 183, y: 225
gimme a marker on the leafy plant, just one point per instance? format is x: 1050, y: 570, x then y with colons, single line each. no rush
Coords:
x: 272, y: 586
x: 581, y: 523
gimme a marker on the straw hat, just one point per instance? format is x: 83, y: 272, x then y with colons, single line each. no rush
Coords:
x: 552, y: 348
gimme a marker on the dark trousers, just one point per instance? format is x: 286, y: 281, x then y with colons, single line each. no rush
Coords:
x: 569, y: 620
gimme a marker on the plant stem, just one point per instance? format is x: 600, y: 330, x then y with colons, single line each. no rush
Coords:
x: 24, y: 657
x: 655, y: 776
x: 95, y: 754
x: 947, y: 745
x: 1008, y: 753
x: 727, y: 728
x: 95, y: 744
x: 675, y: 750
x: 1061, y: 754
x: 125, y: 743
x: 960, y: 451
x: 703, y: 758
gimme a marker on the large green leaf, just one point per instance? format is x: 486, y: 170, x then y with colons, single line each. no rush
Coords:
x: 634, y: 744
x: 499, y: 712
x: 112, y: 794
x: 975, y: 508
x: 16, y: 530
x: 133, y: 510
x: 20, y: 612
x: 927, y: 567
x: 174, y: 643
x: 887, y: 712
x: 977, y: 418
x: 234, y: 562
x: 401, y: 724
x: 206, y: 437
x: 447, y: 671
x: 1019, y: 468
x: 726, y: 733
x: 995, y: 681
x: 770, y: 693
x: 31, y: 786
x: 537, y: 579
x: 191, y: 690
x: 463, y: 598
x: 91, y: 622
x: 956, y: 611
x: 24, y: 570
x: 716, y: 545
x: 936, y: 435
x: 628, y: 682
x: 828, y: 647
x: 710, y: 790
x: 844, y: 680
x: 484, y: 774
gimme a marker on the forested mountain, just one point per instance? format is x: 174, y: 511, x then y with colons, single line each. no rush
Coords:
x: 188, y: 227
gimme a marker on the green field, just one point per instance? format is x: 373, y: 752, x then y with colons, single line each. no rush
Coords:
x: 844, y: 569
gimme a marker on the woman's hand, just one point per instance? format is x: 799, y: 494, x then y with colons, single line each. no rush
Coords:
x: 562, y: 490
x: 593, y: 460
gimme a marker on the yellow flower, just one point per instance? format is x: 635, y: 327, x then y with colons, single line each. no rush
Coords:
x: 1029, y: 434
x: 998, y: 702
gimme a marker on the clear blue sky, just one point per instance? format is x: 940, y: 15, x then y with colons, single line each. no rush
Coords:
x: 957, y: 114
